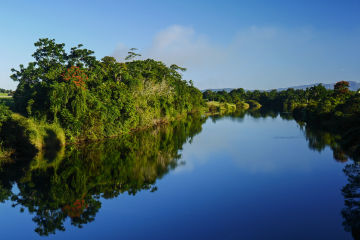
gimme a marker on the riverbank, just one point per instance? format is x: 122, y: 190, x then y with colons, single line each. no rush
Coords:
x: 220, y: 108
x: 20, y: 136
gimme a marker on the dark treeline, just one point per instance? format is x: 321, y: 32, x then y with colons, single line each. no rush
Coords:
x: 287, y: 99
x: 6, y: 91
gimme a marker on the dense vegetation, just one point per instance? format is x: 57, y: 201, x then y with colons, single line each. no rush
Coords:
x: 92, y: 99
x: 315, y: 103
x: 73, y: 95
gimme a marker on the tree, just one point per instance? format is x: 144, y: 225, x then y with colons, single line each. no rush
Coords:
x: 132, y: 55
x: 341, y: 87
x: 317, y: 92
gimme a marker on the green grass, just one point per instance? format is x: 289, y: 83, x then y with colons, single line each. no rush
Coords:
x: 39, y: 132
x: 242, y: 106
x: 4, y: 95
x: 27, y: 135
x: 219, y: 108
x: 254, y: 104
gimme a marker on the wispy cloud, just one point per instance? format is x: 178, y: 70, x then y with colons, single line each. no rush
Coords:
x: 120, y: 52
x: 183, y: 46
x: 255, y: 57
x: 180, y: 45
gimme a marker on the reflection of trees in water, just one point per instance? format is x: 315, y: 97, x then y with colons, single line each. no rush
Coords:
x: 238, y: 116
x: 344, y: 146
x: 319, y: 139
x: 351, y: 193
x: 263, y: 113
x: 71, y: 184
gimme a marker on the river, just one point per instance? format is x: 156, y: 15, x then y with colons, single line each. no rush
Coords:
x: 234, y: 177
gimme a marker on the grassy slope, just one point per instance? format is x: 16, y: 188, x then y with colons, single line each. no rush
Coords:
x: 27, y: 135
x: 4, y: 95
x: 218, y: 108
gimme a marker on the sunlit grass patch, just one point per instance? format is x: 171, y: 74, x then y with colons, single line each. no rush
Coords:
x: 30, y: 136
x: 217, y: 107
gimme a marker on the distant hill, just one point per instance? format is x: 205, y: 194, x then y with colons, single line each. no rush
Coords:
x: 354, y: 86
x: 219, y: 89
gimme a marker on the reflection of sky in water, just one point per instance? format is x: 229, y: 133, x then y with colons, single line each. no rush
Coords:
x: 238, y: 182
x: 253, y: 146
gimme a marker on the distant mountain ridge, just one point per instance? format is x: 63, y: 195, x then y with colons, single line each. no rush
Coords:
x: 218, y: 89
x: 354, y: 86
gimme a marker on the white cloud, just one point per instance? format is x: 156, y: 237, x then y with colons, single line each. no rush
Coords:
x: 179, y: 45
x: 255, y: 57
x: 183, y: 46
x: 120, y: 52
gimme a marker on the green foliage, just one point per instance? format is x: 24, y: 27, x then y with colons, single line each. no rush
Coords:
x: 93, y: 99
x: 316, y: 101
x: 132, y: 54
x: 351, y: 106
x: 254, y: 104
x: 341, y: 87
x: 242, y: 105
x: 220, y: 108
x: 27, y: 136
x: 5, y: 114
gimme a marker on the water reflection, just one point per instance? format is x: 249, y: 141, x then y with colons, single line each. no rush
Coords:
x: 345, y: 146
x: 69, y: 184
x: 351, y: 193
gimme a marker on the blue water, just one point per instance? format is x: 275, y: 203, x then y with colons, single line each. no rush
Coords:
x: 242, y: 178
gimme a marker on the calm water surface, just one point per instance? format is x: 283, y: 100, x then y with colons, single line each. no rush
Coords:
x: 227, y: 178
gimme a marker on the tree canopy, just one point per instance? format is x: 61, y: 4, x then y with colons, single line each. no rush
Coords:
x: 93, y: 98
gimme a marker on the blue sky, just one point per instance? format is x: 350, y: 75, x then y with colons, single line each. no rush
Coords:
x: 250, y: 44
